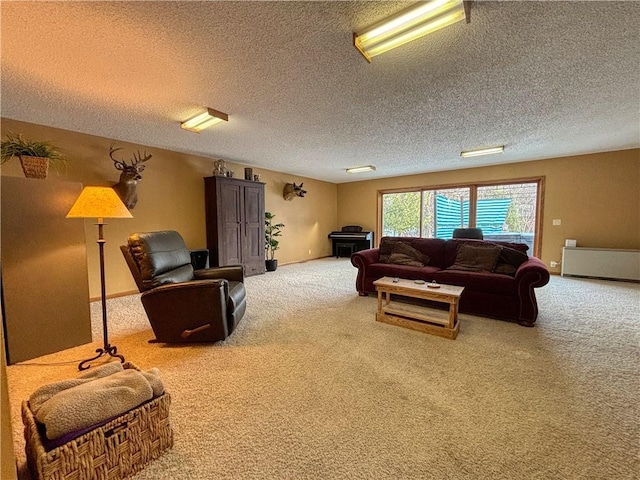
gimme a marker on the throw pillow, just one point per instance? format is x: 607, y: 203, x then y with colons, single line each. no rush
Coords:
x: 386, y: 248
x: 409, y: 251
x: 476, y: 258
x: 513, y: 257
x: 402, y: 259
x: 509, y: 261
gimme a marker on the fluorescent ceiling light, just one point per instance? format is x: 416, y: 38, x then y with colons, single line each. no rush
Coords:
x: 482, y: 151
x: 204, y: 120
x: 365, y: 168
x: 415, y: 22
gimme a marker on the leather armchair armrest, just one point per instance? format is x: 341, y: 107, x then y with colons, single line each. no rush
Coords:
x: 233, y: 273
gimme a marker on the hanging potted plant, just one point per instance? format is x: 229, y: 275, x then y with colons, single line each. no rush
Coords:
x: 34, y: 157
x: 271, y: 231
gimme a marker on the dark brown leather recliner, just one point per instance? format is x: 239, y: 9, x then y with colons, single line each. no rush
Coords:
x: 183, y: 304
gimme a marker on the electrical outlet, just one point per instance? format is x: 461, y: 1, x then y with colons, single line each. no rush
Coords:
x: 309, y: 252
x: 554, y: 264
x: 557, y: 222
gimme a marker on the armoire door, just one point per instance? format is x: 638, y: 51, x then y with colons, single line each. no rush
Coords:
x: 230, y: 211
x: 253, y: 252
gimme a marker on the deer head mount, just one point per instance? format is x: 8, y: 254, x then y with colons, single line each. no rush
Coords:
x: 292, y: 190
x: 129, y: 176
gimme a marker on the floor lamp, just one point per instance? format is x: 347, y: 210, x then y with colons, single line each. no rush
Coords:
x: 100, y: 203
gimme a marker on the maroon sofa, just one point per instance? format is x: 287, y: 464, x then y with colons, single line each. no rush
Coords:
x: 487, y: 293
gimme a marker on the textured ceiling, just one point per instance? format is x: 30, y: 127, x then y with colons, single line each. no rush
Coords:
x: 546, y: 79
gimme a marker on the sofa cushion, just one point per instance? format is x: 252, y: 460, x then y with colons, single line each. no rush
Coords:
x: 485, y: 282
x: 379, y: 270
x: 476, y: 258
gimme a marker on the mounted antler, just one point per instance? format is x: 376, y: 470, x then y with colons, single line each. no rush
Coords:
x: 130, y: 176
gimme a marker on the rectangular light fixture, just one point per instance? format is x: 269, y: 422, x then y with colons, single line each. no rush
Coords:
x: 482, y: 151
x: 204, y: 120
x: 365, y: 168
x: 415, y: 22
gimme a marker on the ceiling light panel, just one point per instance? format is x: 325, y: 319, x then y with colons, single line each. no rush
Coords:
x: 364, y: 168
x: 482, y: 151
x: 204, y: 120
x: 415, y: 22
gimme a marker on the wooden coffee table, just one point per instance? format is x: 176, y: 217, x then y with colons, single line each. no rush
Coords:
x: 417, y: 317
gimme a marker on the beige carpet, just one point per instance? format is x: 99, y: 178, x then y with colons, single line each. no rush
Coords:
x: 311, y: 387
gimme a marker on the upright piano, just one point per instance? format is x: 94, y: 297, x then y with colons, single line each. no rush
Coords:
x: 350, y: 239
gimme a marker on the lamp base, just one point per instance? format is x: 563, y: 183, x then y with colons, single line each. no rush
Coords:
x: 110, y: 350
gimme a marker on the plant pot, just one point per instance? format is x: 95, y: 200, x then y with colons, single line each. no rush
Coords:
x: 35, y: 167
x: 271, y: 265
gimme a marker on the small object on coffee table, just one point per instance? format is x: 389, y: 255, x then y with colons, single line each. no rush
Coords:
x: 419, y: 282
x: 433, y: 284
x: 396, y: 279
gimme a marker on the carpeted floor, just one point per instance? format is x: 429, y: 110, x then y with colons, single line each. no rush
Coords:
x: 311, y: 387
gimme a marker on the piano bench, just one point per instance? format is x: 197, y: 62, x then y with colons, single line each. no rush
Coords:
x: 344, y: 246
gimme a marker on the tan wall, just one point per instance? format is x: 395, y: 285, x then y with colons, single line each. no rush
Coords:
x: 597, y: 198
x: 171, y: 196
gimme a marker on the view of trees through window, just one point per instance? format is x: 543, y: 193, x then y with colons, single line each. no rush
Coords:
x: 504, y: 212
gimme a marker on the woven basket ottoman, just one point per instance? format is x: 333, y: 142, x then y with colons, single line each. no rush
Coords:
x: 112, y: 451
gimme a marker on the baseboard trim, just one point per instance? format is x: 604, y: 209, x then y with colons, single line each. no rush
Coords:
x: 114, y: 295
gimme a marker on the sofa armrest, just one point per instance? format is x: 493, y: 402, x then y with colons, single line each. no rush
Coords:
x: 531, y: 274
x: 233, y: 273
x: 365, y: 257
x: 533, y: 265
x: 361, y: 260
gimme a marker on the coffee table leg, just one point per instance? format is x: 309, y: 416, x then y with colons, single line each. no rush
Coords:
x: 453, y: 314
x: 379, y: 301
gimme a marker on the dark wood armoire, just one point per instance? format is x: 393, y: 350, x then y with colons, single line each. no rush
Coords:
x: 235, y: 223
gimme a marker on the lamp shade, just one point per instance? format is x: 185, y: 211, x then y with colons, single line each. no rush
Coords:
x: 99, y: 202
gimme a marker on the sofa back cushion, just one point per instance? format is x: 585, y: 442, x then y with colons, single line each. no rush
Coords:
x: 433, y: 248
x: 451, y: 248
x: 509, y: 261
x: 405, y: 254
x: 476, y: 258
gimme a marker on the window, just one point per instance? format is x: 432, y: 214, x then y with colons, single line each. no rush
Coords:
x: 506, y: 211
x: 401, y: 214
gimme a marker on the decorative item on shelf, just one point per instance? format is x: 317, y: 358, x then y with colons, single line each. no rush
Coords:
x: 35, y: 157
x: 126, y: 188
x: 100, y: 203
x: 256, y: 177
x: 271, y: 243
x: 230, y: 173
x: 219, y: 168
x: 291, y: 190
x: 248, y: 173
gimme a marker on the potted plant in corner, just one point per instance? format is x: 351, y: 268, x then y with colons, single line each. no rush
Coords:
x: 34, y: 156
x: 271, y: 231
